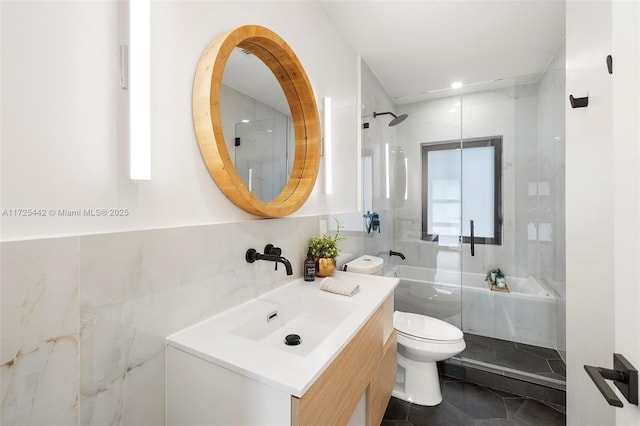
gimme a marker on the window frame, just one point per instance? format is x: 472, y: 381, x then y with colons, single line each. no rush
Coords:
x: 496, y: 142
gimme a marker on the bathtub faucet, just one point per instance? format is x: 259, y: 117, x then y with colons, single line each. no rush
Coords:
x: 396, y: 253
x: 272, y: 254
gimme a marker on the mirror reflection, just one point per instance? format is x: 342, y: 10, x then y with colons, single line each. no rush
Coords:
x: 257, y: 125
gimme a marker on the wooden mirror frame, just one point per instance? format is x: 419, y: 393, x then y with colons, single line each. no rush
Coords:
x: 286, y: 67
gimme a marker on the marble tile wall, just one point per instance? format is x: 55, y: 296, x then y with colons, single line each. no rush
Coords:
x: 84, y: 318
x: 40, y: 331
x: 552, y: 174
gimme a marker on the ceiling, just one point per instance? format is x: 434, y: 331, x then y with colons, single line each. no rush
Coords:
x: 418, y: 48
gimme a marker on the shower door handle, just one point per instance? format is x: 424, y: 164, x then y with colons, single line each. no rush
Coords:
x: 473, y: 240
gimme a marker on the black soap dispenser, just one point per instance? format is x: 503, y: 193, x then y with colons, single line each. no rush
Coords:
x: 309, y: 267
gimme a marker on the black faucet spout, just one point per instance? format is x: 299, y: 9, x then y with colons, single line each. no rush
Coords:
x: 396, y: 253
x: 252, y: 255
x: 277, y: 259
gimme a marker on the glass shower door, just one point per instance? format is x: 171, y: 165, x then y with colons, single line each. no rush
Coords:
x: 428, y: 212
x: 482, y: 271
x: 442, y: 208
x: 508, y: 315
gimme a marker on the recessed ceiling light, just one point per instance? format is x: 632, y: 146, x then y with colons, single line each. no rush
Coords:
x: 456, y: 85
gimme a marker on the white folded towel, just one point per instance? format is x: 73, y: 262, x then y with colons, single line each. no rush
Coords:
x: 334, y: 286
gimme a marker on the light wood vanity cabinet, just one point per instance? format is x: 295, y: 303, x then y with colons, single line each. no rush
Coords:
x: 366, y: 366
x: 382, y: 383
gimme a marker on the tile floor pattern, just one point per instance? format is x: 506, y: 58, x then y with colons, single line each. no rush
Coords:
x: 518, y: 356
x: 467, y: 404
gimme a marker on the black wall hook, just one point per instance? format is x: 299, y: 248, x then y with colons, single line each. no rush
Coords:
x: 610, y: 64
x: 579, y: 102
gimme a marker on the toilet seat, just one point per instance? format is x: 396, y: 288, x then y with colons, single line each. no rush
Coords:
x: 426, y: 329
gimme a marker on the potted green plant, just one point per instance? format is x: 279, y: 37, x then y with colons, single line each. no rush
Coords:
x: 324, y: 249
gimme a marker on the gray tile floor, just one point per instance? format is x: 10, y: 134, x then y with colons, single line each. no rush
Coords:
x: 467, y: 404
x: 518, y: 356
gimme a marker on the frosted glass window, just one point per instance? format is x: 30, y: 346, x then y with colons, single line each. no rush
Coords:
x: 444, y: 186
x: 462, y: 182
x: 478, y: 191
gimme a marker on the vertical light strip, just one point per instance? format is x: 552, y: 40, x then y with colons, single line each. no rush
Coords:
x: 358, y: 119
x: 328, y: 163
x: 406, y: 178
x: 139, y: 89
x: 386, y: 170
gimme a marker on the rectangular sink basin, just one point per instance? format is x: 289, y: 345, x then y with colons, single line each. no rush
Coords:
x: 312, y: 316
x: 249, y: 339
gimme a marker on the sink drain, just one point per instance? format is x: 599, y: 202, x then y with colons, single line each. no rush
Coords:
x: 292, y: 340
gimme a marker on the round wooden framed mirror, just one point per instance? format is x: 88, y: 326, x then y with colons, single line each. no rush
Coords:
x: 276, y: 54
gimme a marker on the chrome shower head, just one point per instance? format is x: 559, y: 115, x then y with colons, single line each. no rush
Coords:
x: 397, y: 119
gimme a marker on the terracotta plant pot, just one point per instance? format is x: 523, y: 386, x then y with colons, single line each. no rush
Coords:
x: 325, y: 266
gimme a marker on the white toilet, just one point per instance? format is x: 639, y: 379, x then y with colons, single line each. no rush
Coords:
x: 422, y: 341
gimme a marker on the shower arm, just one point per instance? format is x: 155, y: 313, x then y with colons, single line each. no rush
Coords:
x: 397, y: 119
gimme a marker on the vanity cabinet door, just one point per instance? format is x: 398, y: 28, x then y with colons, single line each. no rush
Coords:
x: 383, y: 382
x: 335, y: 395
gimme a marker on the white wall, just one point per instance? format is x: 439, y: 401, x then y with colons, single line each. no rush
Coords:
x: 590, y: 216
x: 603, y: 195
x: 64, y: 132
x: 626, y: 136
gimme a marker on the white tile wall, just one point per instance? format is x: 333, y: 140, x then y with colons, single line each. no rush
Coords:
x: 84, y: 318
x: 40, y: 332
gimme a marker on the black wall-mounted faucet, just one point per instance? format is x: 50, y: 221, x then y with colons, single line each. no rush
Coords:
x: 396, y: 253
x: 272, y: 254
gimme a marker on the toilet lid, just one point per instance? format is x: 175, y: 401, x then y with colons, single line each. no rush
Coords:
x: 370, y: 265
x: 424, y: 327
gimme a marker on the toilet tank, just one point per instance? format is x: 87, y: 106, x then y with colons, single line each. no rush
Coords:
x: 370, y: 265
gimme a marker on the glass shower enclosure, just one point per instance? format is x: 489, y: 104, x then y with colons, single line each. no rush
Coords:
x: 482, y: 221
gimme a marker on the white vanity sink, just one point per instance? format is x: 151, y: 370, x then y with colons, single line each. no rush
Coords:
x: 313, y: 315
x: 249, y: 339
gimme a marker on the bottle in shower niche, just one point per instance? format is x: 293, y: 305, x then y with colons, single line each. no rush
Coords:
x: 309, y: 267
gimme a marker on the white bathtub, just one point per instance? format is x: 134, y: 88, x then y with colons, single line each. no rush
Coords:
x: 527, y: 314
